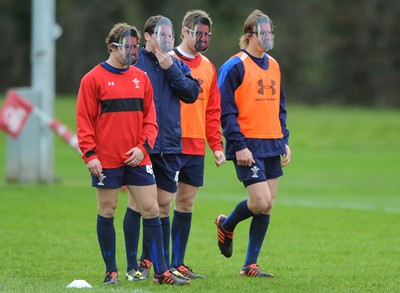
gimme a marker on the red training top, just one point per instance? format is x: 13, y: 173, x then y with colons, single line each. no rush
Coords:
x: 115, y: 112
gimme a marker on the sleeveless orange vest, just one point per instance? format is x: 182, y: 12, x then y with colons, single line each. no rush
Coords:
x: 258, y: 99
x: 194, y: 114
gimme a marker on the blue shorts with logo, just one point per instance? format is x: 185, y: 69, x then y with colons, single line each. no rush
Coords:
x: 263, y: 169
x: 192, y: 170
x: 166, y: 171
x: 126, y: 175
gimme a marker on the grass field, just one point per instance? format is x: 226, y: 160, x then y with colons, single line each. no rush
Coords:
x: 335, y: 226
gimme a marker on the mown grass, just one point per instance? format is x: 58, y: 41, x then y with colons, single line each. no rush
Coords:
x: 334, y: 227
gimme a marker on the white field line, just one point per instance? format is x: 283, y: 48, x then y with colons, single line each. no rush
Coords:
x: 365, y: 206
x: 310, y: 203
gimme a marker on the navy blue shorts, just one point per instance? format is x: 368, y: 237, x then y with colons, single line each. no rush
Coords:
x: 166, y: 170
x: 192, y: 170
x: 126, y: 175
x: 261, y: 170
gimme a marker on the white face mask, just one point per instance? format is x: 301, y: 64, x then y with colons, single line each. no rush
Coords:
x: 165, y: 36
x: 265, y: 33
x: 201, y: 36
x: 127, y: 46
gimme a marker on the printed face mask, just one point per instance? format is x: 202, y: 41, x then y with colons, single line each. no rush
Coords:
x: 128, y: 46
x: 265, y: 33
x: 201, y: 35
x: 165, y: 36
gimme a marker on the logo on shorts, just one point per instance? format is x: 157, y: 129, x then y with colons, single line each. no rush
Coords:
x: 255, y: 170
x: 101, y: 178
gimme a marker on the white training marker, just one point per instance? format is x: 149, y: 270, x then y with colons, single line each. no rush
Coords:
x: 79, y: 284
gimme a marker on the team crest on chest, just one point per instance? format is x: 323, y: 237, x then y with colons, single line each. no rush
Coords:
x: 136, y: 82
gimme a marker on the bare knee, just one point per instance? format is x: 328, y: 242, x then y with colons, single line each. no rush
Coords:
x: 260, y: 198
x: 107, y: 211
x: 150, y: 211
x: 261, y: 205
x: 185, y: 197
x: 184, y: 204
x: 165, y: 208
x: 144, y: 201
x: 164, y: 200
x: 107, y: 200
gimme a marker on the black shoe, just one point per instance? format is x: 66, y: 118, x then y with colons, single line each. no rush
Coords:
x: 134, y: 275
x: 111, y: 278
x: 224, y: 237
x: 187, y: 272
x: 144, y: 268
x: 168, y: 278
x: 254, y: 271
x: 178, y: 274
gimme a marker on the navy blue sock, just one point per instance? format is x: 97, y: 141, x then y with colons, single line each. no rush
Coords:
x: 165, y: 226
x: 240, y: 213
x: 258, y: 229
x: 145, y: 252
x: 131, y: 233
x: 166, y: 231
x: 106, y: 238
x: 153, y: 239
x: 180, y: 234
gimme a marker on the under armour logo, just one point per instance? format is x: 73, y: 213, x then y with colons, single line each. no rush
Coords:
x: 136, y: 82
x: 255, y: 170
x: 264, y: 87
x: 200, y: 83
x: 111, y: 83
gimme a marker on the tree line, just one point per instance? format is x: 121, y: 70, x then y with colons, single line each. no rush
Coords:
x: 330, y: 52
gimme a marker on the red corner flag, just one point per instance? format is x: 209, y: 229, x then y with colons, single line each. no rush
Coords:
x: 14, y: 113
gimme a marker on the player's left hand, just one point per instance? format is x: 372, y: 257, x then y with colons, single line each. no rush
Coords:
x: 286, y: 157
x: 219, y: 158
x: 135, y: 158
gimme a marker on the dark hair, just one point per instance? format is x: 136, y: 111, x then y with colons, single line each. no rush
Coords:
x: 121, y: 29
x: 151, y: 24
x: 194, y: 17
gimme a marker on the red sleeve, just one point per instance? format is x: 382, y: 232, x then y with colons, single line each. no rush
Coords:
x: 150, y: 127
x: 213, y: 117
x: 86, y: 113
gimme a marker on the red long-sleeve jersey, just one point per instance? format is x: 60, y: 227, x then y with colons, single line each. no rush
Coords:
x: 115, y: 112
x: 201, y: 120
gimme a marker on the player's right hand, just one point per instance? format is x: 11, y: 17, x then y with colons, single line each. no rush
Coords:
x: 94, y: 167
x: 244, y: 158
x: 219, y: 158
x: 164, y: 59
